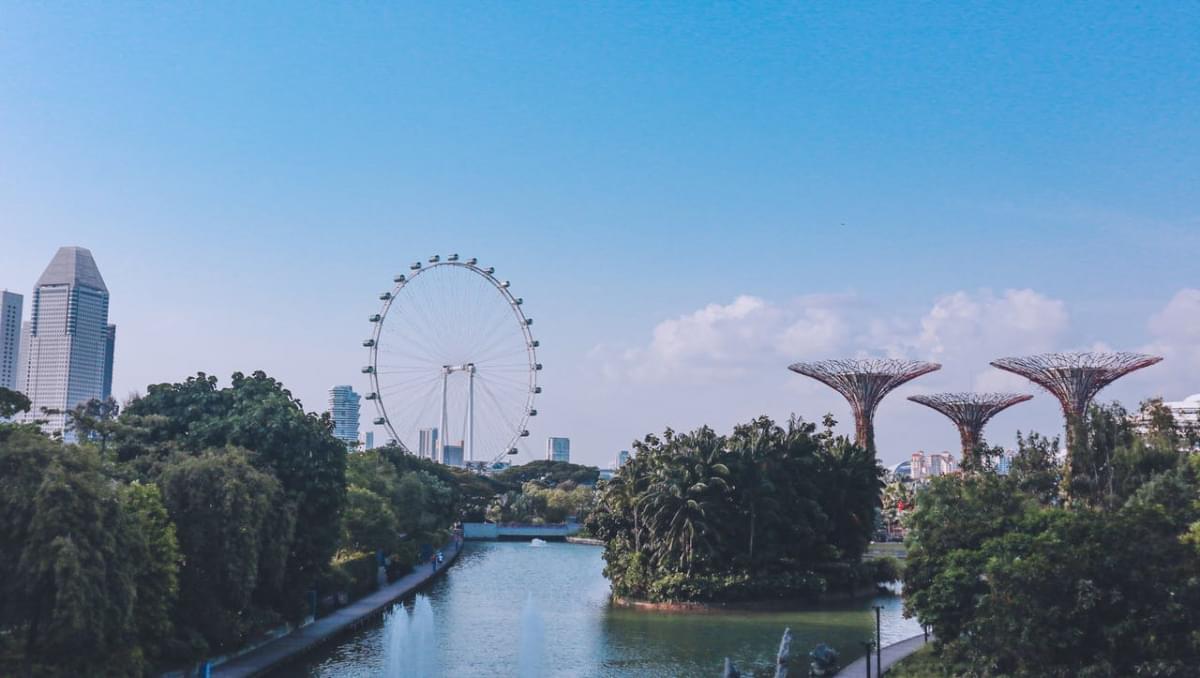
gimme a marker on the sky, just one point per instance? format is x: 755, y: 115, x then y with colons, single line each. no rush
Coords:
x: 688, y: 196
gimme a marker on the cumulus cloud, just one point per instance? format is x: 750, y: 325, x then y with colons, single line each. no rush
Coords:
x: 729, y: 341
x: 724, y: 341
x: 1175, y: 335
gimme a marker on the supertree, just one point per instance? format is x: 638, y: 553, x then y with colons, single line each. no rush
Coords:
x: 1075, y: 378
x: 864, y: 383
x: 970, y: 412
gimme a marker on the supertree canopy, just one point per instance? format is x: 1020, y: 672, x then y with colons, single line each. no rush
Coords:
x: 864, y: 383
x: 970, y: 412
x: 1075, y: 378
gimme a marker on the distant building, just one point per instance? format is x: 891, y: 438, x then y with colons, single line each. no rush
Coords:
x: 558, y: 449
x: 369, y: 440
x: 903, y: 470
x: 622, y: 458
x: 941, y: 464
x: 918, y: 468
x: 427, y: 442
x: 1186, y: 413
x: 607, y: 474
x: 65, y: 348
x: 344, y: 409
x: 452, y: 455
x: 1004, y: 463
x: 10, y: 337
x: 922, y: 467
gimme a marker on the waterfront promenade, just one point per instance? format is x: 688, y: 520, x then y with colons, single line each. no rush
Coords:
x: 890, y: 655
x: 285, y: 648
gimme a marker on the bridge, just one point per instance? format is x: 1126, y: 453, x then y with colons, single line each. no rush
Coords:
x: 519, y: 531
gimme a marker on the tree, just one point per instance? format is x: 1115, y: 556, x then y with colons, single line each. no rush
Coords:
x: 75, y: 586
x: 12, y: 403
x: 94, y: 420
x: 255, y: 413
x: 368, y: 522
x: 234, y: 524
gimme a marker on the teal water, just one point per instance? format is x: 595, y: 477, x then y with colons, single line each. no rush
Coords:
x: 477, y: 620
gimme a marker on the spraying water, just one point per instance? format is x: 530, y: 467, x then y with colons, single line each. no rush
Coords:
x: 410, y: 646
x: 533, y: 641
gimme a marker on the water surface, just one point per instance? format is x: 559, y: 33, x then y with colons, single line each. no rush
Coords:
x: 477, y: 619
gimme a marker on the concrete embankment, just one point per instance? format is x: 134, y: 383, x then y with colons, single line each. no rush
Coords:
x: 279, y: 651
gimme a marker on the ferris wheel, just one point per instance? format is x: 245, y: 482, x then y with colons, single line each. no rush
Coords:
x: 453, y: 363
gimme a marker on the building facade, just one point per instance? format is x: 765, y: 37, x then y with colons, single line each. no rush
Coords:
x: 65, y: 346
x: 427, y: 443
x: 11, y: 307
x: 923, y: 467
x: 622, y: 458
x: 344, y: 409
x: 558, y: 449
x: 452, y: 455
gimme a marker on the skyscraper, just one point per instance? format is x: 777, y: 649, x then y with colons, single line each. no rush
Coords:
x: 622, y: 458
x: 10, y: 337
x: 427, y: 443
x: 343, y: 408
x: 558, y: 449
x: 65, y: 347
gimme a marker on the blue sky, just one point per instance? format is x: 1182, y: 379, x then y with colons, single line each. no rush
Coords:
x: 943, y: 181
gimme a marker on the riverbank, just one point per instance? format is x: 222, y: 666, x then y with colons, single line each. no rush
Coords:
x: 766, y: 604
x: 284, y: 649
x: 587, y: 541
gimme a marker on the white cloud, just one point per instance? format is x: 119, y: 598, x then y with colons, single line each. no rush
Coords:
x: 722, y: 341
x: 1175, y: 335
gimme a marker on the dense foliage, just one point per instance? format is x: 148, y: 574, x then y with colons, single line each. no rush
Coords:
x: 1030, y: 575
x: 768, y: 511
x: 549, y: 473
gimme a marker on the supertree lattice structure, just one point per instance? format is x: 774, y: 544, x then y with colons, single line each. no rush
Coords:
x: 1075, y: 378
x: 970, y: 412
x: 864, y: 383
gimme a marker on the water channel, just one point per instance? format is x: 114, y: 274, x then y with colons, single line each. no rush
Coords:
x: 478, y: 610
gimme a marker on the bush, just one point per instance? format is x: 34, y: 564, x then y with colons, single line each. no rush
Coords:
x: 362, y: 572
x: 402, y: 561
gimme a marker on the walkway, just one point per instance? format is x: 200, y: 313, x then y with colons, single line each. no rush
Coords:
x: 891, y: 654
x: 276, y: 652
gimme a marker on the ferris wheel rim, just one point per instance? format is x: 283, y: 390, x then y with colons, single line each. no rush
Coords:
x: 379, y: 319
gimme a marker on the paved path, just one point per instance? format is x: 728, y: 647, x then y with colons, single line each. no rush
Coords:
x: 339, y: 621
x: 891, y: 654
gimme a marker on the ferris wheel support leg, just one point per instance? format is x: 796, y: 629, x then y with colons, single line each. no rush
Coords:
x: 471, y: 414
x: 441, y: 446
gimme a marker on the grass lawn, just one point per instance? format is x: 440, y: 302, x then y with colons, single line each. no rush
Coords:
x: 920, y: 664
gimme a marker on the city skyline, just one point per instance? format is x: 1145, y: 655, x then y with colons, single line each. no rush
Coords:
x: 687, y: 207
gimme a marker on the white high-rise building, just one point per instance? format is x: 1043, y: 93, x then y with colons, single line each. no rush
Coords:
x: 343, y: 408
x: 66, y: 344
x: 558, y: 449
x: 10, y: 337
x: 427, y: 443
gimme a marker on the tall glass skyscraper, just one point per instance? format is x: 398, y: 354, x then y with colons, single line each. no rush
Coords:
x: 10, y: 337
x: 343, y: 407
x: 66, y: 347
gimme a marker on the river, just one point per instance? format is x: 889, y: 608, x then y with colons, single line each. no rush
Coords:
x: 477, y: 611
